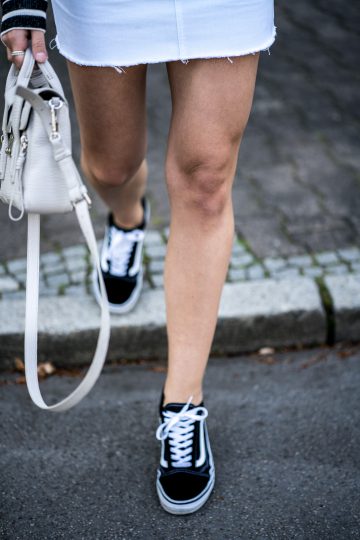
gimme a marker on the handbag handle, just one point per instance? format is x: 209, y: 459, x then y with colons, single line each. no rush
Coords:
x: 23, y: 76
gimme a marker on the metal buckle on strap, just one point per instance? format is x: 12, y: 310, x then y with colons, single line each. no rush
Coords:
x: 87, y: 197
x: 82, y: 194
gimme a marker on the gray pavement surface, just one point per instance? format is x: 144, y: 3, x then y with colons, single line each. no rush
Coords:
x: 285, y: 432
x: 297, y: 187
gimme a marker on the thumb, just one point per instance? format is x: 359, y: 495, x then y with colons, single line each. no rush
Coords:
x: 38, y: 45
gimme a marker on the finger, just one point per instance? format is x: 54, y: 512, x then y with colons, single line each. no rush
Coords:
x: 38, y: 45
x: 16, y: 40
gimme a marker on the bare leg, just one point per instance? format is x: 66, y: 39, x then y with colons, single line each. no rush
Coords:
x: 112, y: 116
x: 211, y: 104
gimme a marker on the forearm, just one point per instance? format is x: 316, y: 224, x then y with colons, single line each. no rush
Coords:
x: 23, y: 14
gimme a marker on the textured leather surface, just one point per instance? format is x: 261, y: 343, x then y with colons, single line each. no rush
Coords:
x: 39, y: 185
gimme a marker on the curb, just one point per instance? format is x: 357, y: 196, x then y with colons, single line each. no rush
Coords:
x: 345, y: 295
x: 266, y: 312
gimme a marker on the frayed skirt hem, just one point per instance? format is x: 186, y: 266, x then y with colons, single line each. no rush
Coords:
x: 118, y: 66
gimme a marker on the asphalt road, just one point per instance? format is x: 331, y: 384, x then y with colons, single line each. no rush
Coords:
x: 285, y: 434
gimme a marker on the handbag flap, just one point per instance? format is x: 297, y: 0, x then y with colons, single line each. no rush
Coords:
x: 27, y: 108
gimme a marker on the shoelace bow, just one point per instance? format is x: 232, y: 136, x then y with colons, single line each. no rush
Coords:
x: 120, y: 249
x: 179, y: 427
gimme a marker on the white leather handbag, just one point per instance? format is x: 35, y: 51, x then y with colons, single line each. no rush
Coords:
x: 38, y: 176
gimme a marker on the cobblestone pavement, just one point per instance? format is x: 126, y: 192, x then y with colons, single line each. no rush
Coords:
x: 68, y: 271
x: 297, y: 187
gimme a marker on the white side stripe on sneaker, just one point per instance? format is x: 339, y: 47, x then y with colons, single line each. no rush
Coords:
x: 137, y: 259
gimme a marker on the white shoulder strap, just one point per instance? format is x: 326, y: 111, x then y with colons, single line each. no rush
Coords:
x: 78, y: 197
x: 31, y: 316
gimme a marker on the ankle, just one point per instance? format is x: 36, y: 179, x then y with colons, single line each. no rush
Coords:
x: 130, y: 221
x: 177, y: 395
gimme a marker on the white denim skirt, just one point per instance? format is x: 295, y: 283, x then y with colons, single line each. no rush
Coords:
x: 130, y: 32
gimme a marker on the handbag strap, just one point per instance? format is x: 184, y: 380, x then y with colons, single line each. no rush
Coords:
x: 31, y: 314
x: 80, y: 201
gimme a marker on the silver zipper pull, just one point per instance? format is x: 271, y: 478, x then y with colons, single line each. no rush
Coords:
x: 24, y: 142
x: 10, y: 145
x: 55, y: 103
x: 22, y: 154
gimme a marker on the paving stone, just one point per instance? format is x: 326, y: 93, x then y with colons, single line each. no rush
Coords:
x: 255, y: 272
x: 355, y: 267
x: 153, y: 237
x: 156, y: 252
x: 285, y: 273
x: 327, y: 258
x: 339, y: 269
x: 345, y: 294
x: 77, y: 251
x: 78, y: 277
x: 75, y: 264
x: 44, y: 290
x: 75, y: 290
x: 18, y: 265
x: 48, y: 259
x: 57, y: 280
x: 21, y: 277
x: 2, y: 270
x: 241, y: 260
x: 238, y: 249
x: 156, y: 266
x: 313, y: 271
x: 158, y: 280
x: 8, y: 284
x: 266, y: 236
x: 302, y: 261
x: 16, y: 295
x: 146, y: 285
x: 350, y: 254
x: 274, y: 264
x: 54, y: 268
x: 236, y: 274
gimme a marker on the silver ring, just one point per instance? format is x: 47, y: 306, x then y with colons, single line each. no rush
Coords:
x: 17, y: 53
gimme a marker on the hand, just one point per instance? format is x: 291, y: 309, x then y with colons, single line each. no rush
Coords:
x: 18, y: 39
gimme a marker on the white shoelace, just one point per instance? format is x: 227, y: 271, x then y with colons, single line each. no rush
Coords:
x: 179, y: 427
x: 119, y: 251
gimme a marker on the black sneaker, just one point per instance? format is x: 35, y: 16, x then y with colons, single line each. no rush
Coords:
x: 186, y: 474
x: 121, y: 263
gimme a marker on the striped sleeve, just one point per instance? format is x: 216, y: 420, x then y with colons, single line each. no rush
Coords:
x: 23, y: 14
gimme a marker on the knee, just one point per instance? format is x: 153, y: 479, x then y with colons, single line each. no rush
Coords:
x: 202, y: 181
x: 110, y: 172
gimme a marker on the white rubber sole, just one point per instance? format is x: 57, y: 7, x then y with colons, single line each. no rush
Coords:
x: 130, y: 303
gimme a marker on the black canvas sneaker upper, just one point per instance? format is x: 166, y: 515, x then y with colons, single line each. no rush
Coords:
x: 121, y: 257
x: 186, y: 470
